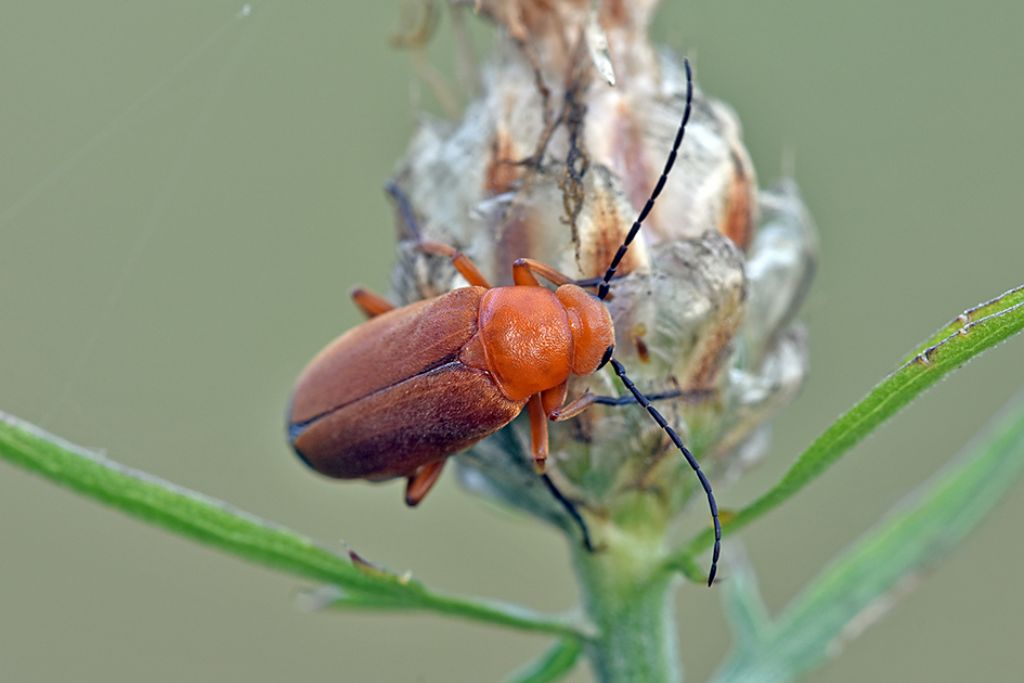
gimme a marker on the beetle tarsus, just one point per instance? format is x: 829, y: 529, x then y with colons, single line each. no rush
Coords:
x: 419, y: 484
x: 526, y: 270
x: 691, y: 396
x: 466, y: 268
x: 369, y: 303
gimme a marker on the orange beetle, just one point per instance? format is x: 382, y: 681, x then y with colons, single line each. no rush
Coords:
x: 399, y: 394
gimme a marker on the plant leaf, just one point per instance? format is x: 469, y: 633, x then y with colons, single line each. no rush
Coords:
x: 687, y: 565
x: 553, y: 665
x: 218, y: 524
x: 1005, y: 317
x: 1000, y: 303
x: 857, y: 588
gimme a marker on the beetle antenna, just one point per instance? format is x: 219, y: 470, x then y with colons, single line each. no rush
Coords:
x: 663, y: 423
x: 602, y: 290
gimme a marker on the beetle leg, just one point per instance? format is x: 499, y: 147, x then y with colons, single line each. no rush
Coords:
x: 419, y: 484
x: 573, y: 408
x: 551, y: 399
x: 538, y: 432
x: 405, y: 210
x: 369, y: 303
x: 692, y: 396
x: 525, y: 271
x: 459, y: 260
x: 577, y: 406
x: 570, y: 508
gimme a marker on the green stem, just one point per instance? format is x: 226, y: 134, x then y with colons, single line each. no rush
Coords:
x: 629, y: 603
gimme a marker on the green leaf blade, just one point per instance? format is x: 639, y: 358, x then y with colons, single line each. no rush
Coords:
x: 174, y: 508
x: 858, y: 587
x: 553, y: 665
x: 1005, y: 318
x: 1006, y: 300
x: 745, y: 611
x: 220, y: 525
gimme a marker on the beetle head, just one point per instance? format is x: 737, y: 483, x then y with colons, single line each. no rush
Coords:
x: 593, y: 333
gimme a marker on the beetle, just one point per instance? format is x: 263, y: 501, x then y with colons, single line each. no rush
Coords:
x: 400, y: 393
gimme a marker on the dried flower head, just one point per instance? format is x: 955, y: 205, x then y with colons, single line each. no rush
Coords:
x: 553, y: 162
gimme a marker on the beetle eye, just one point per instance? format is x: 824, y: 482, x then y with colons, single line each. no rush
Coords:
x: 607, y: 357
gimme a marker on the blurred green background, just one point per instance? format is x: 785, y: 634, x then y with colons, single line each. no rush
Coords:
x: 187, y: 193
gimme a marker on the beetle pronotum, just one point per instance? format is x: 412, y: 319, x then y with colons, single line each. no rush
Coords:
x: 399, y: 394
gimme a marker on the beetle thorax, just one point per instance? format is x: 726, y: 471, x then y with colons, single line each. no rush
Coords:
x: 527, y: 339
x: 533, y: 338
x: 593, y: 332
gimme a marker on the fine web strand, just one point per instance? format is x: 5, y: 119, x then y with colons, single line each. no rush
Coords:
x: 176, y: 170
x: 118, y: 121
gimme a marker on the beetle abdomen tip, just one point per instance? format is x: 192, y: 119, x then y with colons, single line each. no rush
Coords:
x: 295, y: 430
